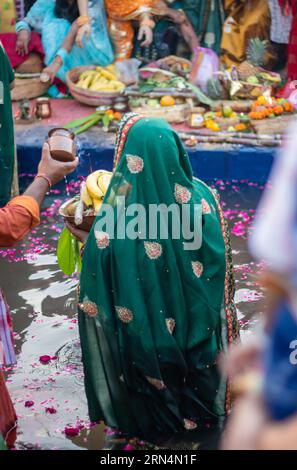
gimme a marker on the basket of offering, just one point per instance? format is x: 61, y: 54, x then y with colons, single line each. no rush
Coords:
x: 28, y: 86
x: 68, y: 210
x: 95, y: 86
x: 173, y: 110
x: 82, y: 210
x: 271, y: 115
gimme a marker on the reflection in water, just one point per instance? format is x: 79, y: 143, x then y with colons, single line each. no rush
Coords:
x: 43, y: 303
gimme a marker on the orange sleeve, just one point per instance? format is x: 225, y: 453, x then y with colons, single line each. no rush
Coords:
x: 17, y: 218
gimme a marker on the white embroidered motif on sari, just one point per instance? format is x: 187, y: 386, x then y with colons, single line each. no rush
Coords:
x: 197, y: 268
x: 135, y: 164
x: 153, y: 250
x: 182, y: 195
x: 124, y: 314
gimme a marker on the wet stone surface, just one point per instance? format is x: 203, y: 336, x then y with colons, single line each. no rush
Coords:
x: 47, y: 383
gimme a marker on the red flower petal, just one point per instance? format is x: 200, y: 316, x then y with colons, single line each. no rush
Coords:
x: 45, y: 359
x: 29, y: 403
x: 51, y: 410
x: 129, y: 447
x: 71, y: 432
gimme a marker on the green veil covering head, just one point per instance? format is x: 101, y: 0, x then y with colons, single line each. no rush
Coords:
x: 153, y: 314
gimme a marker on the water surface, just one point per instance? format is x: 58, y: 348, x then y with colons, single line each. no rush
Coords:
x: 43, y: 303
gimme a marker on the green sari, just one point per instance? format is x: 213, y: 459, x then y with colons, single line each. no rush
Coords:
x: 153, y: 316
x: 207, y: 18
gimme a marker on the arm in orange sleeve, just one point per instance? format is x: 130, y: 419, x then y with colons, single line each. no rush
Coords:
x: 17, y: 218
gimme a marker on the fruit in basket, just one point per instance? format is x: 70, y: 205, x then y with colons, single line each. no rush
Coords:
x: 212, y: 125
x: 273, y: 78
x: 227, y: 111
x: 253, y: 80
x: 81, y: 211
x: 270, y: 107
x: 85, y: 196
x: 241, y: 127
x: 210, y: 115
x: 289, y: 108
x: 100, y: 79
x: 167, y: 101
x: 261, y: 101
x: 255, y: 55
x: 97, y: 184
x: 90, y: 199
x: 278, y: 110
x: 153, y: 103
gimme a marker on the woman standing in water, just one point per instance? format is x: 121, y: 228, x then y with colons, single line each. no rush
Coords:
x: 154, y: 316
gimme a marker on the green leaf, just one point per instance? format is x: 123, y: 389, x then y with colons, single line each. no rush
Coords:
x: 200, y: 95
x: 66, y: 252
x: 106, y: 121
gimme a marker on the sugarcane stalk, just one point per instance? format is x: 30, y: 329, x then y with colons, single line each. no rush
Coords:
x: 87, y: 125
x: 232, y: 140
x: 81, y: 121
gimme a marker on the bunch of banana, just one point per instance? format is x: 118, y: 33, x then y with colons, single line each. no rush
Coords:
x: 96, y: 186
x: 101, y: 79
x: 86, y: 79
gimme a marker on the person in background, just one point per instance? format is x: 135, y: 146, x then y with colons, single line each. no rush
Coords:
x: 172, y: 23
x: 207, y: 18
x: 17, y: 218
x: 281, y: 24
x: 245, y: 19
x: 6, y: 128
x: 59, y: 22
x: 265, y: 417
x: 120, y: 17
x: 289, y: 9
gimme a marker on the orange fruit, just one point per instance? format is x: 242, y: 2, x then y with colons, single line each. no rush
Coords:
x: 167, y: 101
x: 117, y: 116
x: 261, y: 100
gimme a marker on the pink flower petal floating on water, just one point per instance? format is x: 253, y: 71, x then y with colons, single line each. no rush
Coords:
x: 50, y: 410
x: 128, y: 447
x: 45, y: 359
x: 71, y: 431
x: 29, y: 403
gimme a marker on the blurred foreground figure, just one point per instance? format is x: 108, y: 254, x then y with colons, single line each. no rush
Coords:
x: 17, y: 218
x: 265, y: 417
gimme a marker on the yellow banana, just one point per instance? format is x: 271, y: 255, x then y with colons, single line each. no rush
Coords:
x: 117, y: 85
x: 86, y: 74
x: 111, y: 68
x: 104, y: 181
x: 87, y: 82
x: 92, y: 185
x: 97, y: 203
x: 107, y: 74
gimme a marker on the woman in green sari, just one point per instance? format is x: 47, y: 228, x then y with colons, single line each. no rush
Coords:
x: 153, y: 315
